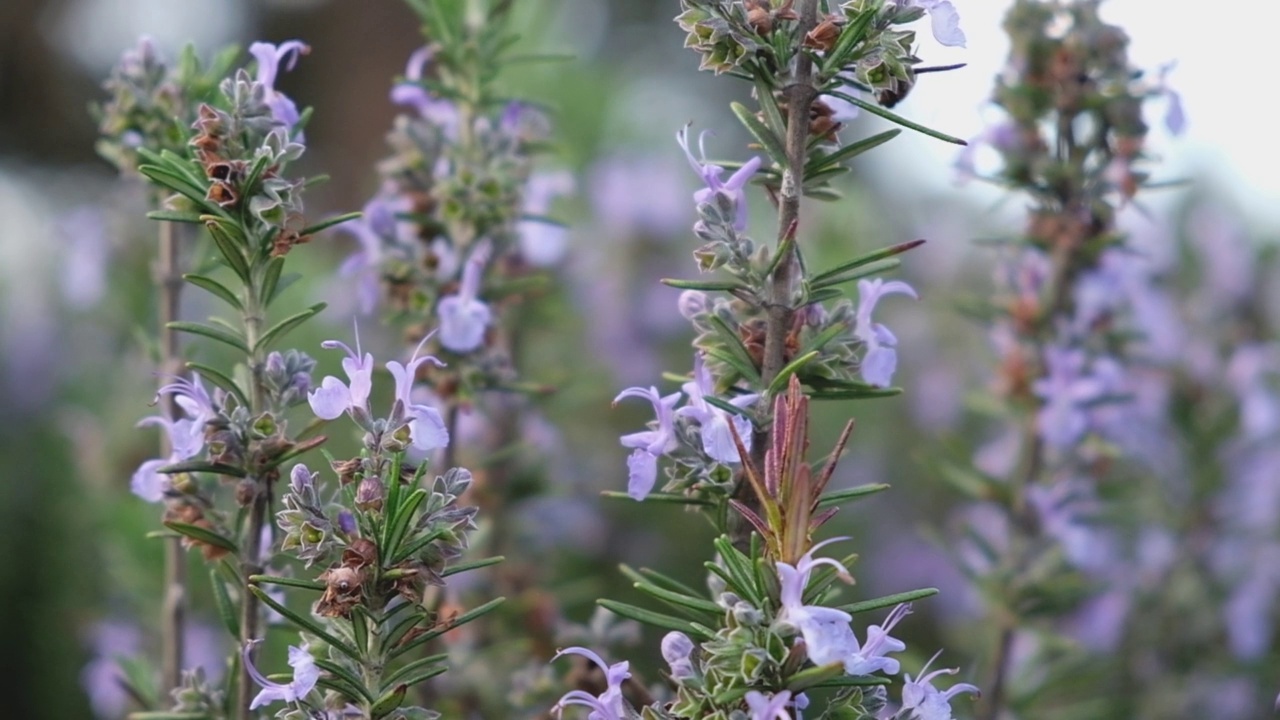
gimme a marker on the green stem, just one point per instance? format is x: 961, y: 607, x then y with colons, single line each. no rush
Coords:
x: 251, y: 547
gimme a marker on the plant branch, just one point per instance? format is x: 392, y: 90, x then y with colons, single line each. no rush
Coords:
x: 800, y: 94
x: 173, y: 609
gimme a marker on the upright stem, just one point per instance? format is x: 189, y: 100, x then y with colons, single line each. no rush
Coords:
x: 173, y: 608
x: 799, y: 96
x: 251, y: 548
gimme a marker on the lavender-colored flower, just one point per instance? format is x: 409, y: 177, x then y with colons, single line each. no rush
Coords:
x: 372, y: 232
x: 609, y: 705
x: 943, y: 19
x: 649, y: 445
x: 880, y: 359
x: 335, y: 397
x: 927, y: 702
x: 186, y: 437
x: 768, y: 707
x: 1065, y: 389
x: 692, y: 303
x: 305, y: 676
x: 637, y: 194
x: 464, y: 317
x: 677, y: 650
x: 426, y: 426
x: 842, y: 110
x: 827, y: 635
x: 437, y: 111
x: 1175, y: 118
x: 84, y: 260
x: 191, y: 396
x: 1247, y: 374
x: 101, y: 677
x: 710, y: 174
x: 269, y: 58
x: 542, y: 242
x: 717, y: 437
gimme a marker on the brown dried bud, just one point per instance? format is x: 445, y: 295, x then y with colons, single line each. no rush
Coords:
x: 346, y: 470
x: 344, y: 588
x: 369, y: 494
x: 246, y: 491
x: 760, y: 19
x: 222, y: 194
x: 824, y: 36
x: 753, y: 333
x: 360, y: 554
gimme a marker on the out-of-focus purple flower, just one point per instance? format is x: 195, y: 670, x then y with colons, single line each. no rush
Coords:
x: 543, y: 242
x: 1175, y: 118
x: 717, y: 437
x: 101, y: 677
x: 335, y: 397
x: 204, y: 647
x: 927, y: 702
x: 269, y: 59
x: 880, y: 359
x: 463, y: 316
x: 638, y: 194
x: 305, y: 676
x: 1247, y: 373
x: 426, y: 426
x: 710, y: 174
x: 437, y: 111
x: 943, y: 19
x: 373, y: 231
x: 1004, y: 136
x: 692, y: 303
x: 85, y: 257
x: 608, y: 705
x: 677, y: 650
x: 768, y: 707
x: 1066, y: 390
x: 649, y: 445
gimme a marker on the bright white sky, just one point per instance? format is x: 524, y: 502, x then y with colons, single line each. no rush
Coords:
x: 1226, y: 75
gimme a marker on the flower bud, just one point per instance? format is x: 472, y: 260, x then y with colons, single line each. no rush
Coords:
x: 369, y: 494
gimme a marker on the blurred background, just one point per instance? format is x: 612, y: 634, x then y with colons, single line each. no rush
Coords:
x: 77, y: 579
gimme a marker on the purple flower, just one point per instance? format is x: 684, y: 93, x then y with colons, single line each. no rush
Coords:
x: 426, y: 426
x: 943, y: 18
x: 768, y: 707
x: 372, y: 232
x: 826, y: 631
x: 927, y: 702
x: 85, y: 260
x: 1065, y: 390
x: 677, y: 650
x: 735, y: 186
x: 305, y: 676
x: 542, y: 242
x: 842, y: 110
x: 335, y: 397
x: 880, y: 359
x: 1175, y: 119
x: 464, y: 317
x: 185, y: 434
x: 717, y: 438
x: 638, y: 194
x: 101, y: 677
x: 437, y: 111
x: 269, y: 58
x: 609, y: 705
x: 642, y: 465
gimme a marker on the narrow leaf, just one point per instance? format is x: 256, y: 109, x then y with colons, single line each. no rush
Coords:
x: 222, y: 601
x: 330, y: 222
x: 874, y: 268
x: 203, y: 535
x: 848, y: 152
x: 270, y: 278
x: 680, y: 600
x: 213, y: 333
x: 780, y: 380
x: 203, y: 466
x: 707, y: 285
x: 659, y: 497
x: 216, y: 377
x: 868, y: 259
x: 284, y: 326
x: 305, y: 623
x: 350, y: 685
x: 473, y: 565
x: 445, y: 626
x: 854, y: 493
x: 893, y: 117
x: 175, y: 216
x: 649, y: 617
x: 409, y: 669
x: 213, y: 286
x: 287, y: 581
x: 767, y: 139
x: 888, y: 600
